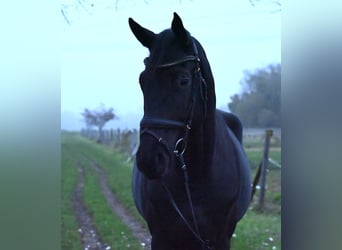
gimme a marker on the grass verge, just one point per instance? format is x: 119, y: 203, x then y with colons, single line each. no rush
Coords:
x: 111, y: 229
x: 75, y: 149
x: 69, y: 230
x: 256, y: 231
x: 118, y: 171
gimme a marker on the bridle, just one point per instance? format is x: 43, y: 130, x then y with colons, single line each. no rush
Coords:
x: 148, y: 122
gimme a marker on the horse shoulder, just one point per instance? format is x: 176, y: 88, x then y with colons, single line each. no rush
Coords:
x: 242, y: 179
x: 233, y: 122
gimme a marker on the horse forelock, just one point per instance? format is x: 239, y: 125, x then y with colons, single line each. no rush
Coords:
x: 167, y: 48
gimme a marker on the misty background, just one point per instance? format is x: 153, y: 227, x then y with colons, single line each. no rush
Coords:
x: 101, y: 59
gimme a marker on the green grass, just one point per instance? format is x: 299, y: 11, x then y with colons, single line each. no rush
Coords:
x: 69, y: 230
x: 256, y: 230
x: 118, y: 171
x: 259, y: 140
x: 261, y: 230
x: 112, y: 230
x: 273, y: 180
x: 255, y: 157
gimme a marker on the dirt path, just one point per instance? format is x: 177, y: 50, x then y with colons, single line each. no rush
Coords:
x: 89, y: 237
x: 136, y: 228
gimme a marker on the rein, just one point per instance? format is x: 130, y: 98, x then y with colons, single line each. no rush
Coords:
x: 195, y: 231
x: 180, y: 147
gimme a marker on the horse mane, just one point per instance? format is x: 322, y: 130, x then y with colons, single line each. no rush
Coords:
x: 208, y: 76
x: 210, y: 120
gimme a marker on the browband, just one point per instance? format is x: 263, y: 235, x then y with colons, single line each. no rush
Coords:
x: 185, y: 59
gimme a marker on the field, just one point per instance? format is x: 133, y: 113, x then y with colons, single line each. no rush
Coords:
x: 98, y: 211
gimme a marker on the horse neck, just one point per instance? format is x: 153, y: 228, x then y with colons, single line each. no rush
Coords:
x: 201, y: 146
x: 202, y: 135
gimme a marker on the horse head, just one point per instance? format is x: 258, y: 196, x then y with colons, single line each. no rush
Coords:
x: 178, y: 92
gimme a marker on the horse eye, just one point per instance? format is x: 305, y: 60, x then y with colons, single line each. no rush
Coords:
x: 184, y: 82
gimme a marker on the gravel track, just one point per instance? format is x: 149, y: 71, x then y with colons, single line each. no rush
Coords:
x: 134, y: 225
x: 89, y: 237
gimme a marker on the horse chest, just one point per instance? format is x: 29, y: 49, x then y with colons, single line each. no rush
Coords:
x: 215, y: 196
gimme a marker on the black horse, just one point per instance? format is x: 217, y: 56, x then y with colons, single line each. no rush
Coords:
x: 191, y: 179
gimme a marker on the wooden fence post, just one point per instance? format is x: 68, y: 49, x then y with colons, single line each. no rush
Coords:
x: 269, y: 133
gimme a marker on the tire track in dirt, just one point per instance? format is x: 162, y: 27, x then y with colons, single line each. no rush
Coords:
x: 89, y: 237
x: 117, y: 208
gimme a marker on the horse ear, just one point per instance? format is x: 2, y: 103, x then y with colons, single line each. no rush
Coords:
x: 178, y: 28
x: 145, y: 36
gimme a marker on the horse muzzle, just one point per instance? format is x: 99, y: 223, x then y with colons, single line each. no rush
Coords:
x: 153, y: 159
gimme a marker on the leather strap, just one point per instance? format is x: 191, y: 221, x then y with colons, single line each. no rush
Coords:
x: 185, y: 59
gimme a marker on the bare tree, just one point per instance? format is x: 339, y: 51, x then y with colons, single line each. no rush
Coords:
x: 98, y: 118
x: 275, y: 3
x: 70, y: 8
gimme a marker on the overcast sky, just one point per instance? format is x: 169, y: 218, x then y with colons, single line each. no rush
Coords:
x: 101, y: 58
